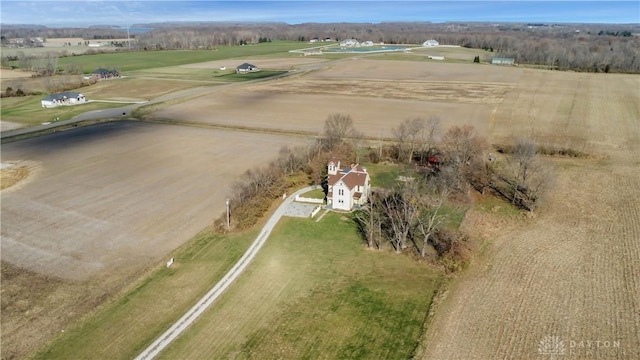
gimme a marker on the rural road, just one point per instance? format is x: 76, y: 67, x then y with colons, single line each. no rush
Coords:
x: 190, y: 316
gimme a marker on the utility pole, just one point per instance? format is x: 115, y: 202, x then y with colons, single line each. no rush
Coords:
x: 228, y: 216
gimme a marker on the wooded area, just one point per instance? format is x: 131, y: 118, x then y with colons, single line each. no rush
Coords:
x: 583, y: 47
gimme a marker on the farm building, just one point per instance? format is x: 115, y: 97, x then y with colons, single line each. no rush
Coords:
x: 246, y: 68
x: 430, y: 43
x: 503, y: 61
x: 63, y: 98
x: 347, y: 187
x: 102, y: 74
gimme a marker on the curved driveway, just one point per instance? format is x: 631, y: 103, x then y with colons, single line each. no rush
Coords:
x: 190, y: 316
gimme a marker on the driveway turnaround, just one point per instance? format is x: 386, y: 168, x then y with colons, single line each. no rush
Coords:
x: 190, y: 316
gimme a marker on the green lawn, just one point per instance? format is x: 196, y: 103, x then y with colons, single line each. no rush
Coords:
x: 315, y: 291
x: 386, y: 174
x: 28, y: 110
x: 314, y: 194
x: 122, y: 329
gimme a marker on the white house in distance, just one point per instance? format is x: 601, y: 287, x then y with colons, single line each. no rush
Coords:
x: 347, y: 187
x: 430, y: 43
x: 63, y: 98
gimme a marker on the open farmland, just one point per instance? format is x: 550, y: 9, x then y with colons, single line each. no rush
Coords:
x: 105, y: 202
x: 571, y: 271
x: 364, y: 89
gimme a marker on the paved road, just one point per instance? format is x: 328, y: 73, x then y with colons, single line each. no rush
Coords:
x: 190, y: 316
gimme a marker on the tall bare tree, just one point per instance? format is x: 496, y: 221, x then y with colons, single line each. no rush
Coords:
x: 464, y: 149
x: 530, y: 177
x: 401, y: 208
x: 409, y: 135
x: 369, y: 222
x: 337, y: 127
x: 431, y: 215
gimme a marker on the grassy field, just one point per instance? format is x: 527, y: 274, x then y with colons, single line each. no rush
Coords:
x: 138, y: 60
x: 315, y: 291
x: 28, y: 111
x: 121, y: 329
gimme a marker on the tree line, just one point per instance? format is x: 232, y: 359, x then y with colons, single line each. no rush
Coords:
x: 581, y: 47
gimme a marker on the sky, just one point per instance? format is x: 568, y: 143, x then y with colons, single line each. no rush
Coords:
x: 91, y: 12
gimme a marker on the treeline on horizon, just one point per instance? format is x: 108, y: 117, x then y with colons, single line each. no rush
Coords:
x: 579, y: 47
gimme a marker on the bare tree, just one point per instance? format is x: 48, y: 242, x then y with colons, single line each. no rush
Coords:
x: 369, y: 222
x: 356, y: 138
x: 464, y: 149
x: 336, y: 128
x: 409, y: 135
x: 429, y: 135
x: 401, y: 208
x: 530, y: 177
x: 431, y: 215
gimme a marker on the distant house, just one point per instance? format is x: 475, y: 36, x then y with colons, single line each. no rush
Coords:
x: 347, y: 187
x: 246, y: 68
x: 349, y: 43
x: 103, y: 74
x: 430, y: 43
x: 63, y: 98
x: 503, y: 61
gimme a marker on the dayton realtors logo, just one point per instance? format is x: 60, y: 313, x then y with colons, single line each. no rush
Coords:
x: 551, y: 345
x: 555, y: 346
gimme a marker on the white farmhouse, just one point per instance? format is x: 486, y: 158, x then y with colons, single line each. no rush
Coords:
x: 63, y: 98
x: 347, y: 187
x: 430, y: 43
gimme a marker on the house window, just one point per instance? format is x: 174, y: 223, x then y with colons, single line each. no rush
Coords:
x: 341, y: 192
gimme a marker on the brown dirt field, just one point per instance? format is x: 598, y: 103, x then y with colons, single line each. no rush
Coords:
x: 108, y: 201
x: 573, y: 270
x: 128, y: 89
x: 302, y: 103
x: 6, y: 74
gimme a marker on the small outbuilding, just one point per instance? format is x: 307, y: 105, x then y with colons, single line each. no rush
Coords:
x: 63, y: 98
x: 246, y: 68
x: 430, y: 43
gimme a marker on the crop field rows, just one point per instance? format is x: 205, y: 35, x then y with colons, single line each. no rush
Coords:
x: 571, y: 272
